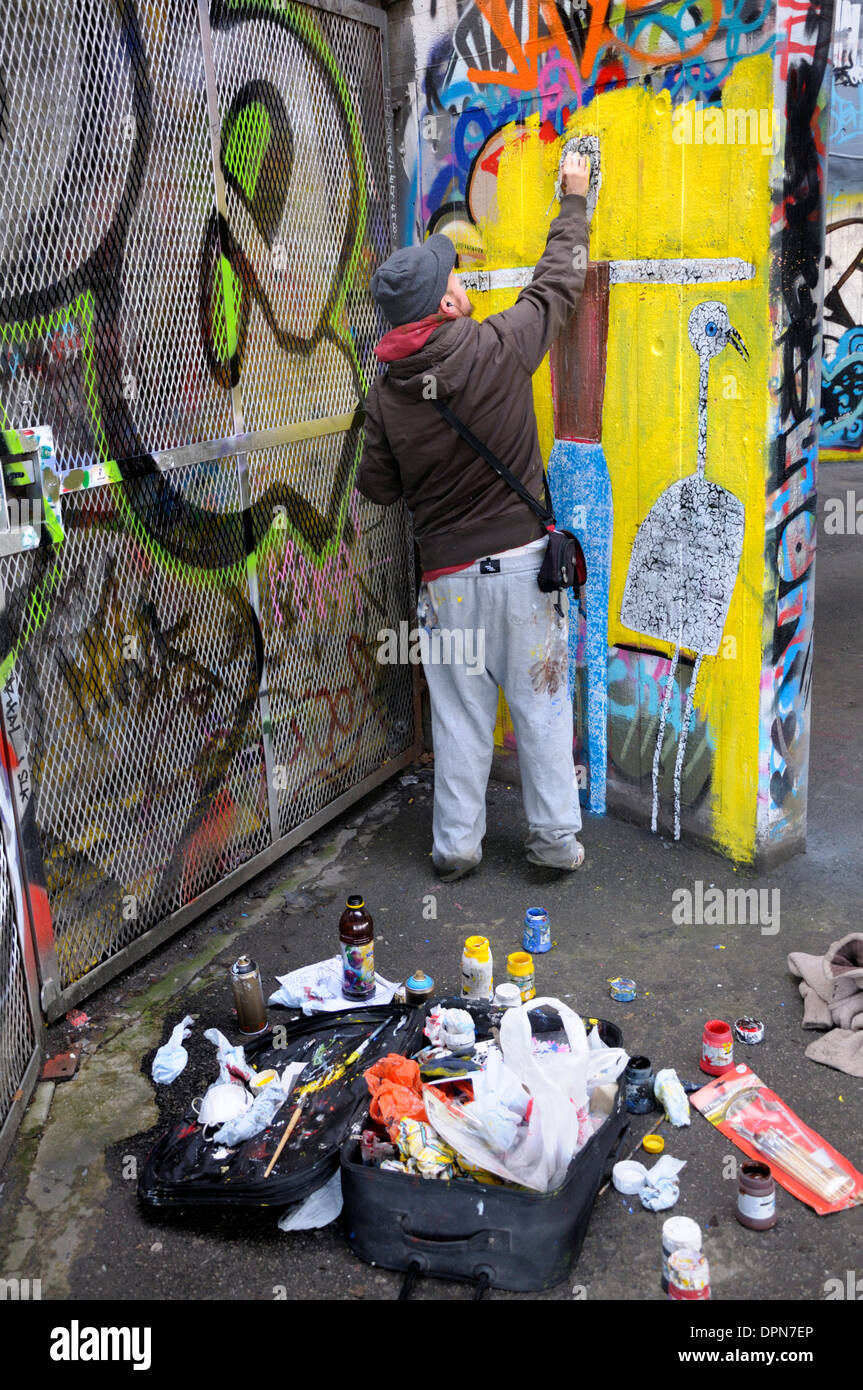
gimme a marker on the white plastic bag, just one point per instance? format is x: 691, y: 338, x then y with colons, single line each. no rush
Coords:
x: 556, y: 1081
x: 523, y: 1163
x: 555, y: 1119
x: 320, y: 1207
x: 172, y: 1057
x: 232, y: 1060
x: 604, y: 1063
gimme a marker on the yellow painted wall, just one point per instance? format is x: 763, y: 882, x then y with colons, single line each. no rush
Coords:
x: 661, y: 199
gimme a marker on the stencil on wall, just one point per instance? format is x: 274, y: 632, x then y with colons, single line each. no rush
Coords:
x: 684, y: 562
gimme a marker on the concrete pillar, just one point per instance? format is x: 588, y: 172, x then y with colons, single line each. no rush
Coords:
x: 678, y: 412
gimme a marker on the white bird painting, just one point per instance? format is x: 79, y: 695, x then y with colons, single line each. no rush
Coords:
x: 686, y: 554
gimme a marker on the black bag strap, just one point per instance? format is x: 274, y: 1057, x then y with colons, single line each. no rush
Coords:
x: 546, y: 516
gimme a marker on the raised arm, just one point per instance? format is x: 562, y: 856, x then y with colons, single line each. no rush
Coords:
x: 529, y: 328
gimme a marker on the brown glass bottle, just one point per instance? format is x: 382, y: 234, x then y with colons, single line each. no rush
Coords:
x: 356, y: 942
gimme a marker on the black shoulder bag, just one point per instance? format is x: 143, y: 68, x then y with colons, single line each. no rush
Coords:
x: 564, y: 565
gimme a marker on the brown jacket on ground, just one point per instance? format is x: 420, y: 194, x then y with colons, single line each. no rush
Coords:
x: 461, y: 509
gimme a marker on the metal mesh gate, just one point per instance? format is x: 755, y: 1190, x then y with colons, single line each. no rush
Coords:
x: 18, y: 1034
x: 193, y: 199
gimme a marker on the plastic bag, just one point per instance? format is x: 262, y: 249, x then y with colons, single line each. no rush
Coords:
x: 523, y: 1163
x: 557, y: 1083
x: 232, y: 1060
x: 604, y: 1063
x: 172, y: 1057
x: 320, y: 1207
x: 546, y: 1093
x: 396, y: 1089
x: 500, y: 1104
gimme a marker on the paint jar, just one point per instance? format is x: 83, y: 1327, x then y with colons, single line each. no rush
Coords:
x: 419, y: 988
x: 519, y: 969
x: 507, y: 996
x: 537, y: 931
x: 749, y: 1030
x: 678, y: 1233
x: 638, y: 1082
x: 621, y: 989
x: 717, y: 1047
x: 476, y: 969
x: 688, y: 1276
x: 756, y: 1197
x: 263, y: 1078
x: 248, y: 997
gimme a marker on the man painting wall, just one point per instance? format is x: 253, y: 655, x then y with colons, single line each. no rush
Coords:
x: 480, y: 545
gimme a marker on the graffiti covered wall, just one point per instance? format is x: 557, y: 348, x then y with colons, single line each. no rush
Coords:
x: 660, y: 406
x: 842, y: 367
x: 193, y: 199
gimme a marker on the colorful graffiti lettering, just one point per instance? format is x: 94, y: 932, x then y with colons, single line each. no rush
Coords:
x: 168, y: 283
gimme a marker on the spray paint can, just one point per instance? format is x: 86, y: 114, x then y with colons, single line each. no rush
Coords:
x: 419, y: 988
x: 248, y: 997
x: 476, y: 969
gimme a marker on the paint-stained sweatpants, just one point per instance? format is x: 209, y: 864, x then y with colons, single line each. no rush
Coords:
x: 507, y: 633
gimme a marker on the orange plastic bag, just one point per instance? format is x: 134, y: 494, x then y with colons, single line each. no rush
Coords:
x: 396, y: 1090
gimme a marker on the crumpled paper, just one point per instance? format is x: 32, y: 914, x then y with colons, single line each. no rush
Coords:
x: 660, y: 1189
x: 669, y: 1092
x: 317, y: 989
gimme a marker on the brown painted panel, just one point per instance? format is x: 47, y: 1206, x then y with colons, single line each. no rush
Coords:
x: 578, y: 362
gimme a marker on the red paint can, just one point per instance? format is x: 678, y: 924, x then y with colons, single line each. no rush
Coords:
x: 717, y: 1047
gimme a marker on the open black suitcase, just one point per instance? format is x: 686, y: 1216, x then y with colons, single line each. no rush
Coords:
x: 184, y: 1170
x: 499, y: 1237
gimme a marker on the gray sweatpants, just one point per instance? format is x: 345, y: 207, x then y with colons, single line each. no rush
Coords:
x: 484, y: 630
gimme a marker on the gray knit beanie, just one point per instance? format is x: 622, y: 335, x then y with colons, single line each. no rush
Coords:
x: 411, y: 282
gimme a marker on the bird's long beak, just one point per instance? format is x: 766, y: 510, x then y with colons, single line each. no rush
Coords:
x: 738, y: 343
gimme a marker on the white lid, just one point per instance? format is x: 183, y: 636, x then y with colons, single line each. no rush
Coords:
x: 679, y: 1232
x: 628, y: 1176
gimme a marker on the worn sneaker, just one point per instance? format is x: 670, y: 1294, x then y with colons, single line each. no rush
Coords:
x: 562, y: 864
x: 451, y: 873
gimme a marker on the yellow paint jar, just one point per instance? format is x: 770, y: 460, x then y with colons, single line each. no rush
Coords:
x: 519, y: 969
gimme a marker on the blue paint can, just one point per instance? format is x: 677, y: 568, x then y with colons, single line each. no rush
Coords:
x: 537, y: 931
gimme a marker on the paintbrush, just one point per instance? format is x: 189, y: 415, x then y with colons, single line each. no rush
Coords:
x: 339, y: 1070
x: 284, y: 1139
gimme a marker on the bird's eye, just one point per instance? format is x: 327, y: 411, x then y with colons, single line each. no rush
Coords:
x: 710, y: 330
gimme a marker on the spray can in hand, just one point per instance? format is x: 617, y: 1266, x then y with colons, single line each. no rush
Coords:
x: 356, y: 942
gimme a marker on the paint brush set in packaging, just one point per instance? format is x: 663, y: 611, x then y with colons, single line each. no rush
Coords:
x: 761, y: 1124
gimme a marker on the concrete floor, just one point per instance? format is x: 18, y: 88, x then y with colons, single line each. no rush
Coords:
x: 70, y: 1216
